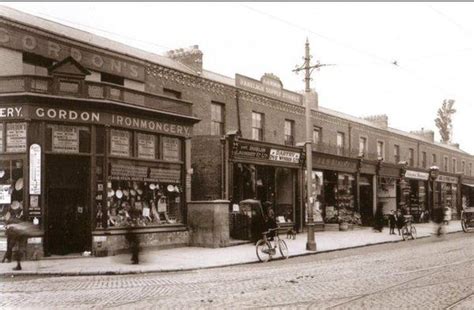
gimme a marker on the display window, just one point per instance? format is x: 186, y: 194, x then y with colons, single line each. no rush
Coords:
x: 338, y: 197
x: 11, y: 190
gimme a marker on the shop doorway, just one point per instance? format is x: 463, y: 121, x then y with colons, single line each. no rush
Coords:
x: 366, y: 204
x: 67, y: 200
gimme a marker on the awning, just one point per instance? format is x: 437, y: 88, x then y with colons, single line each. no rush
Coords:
x: 470, y: 185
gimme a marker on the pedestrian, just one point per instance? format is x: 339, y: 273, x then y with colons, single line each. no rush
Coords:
x: 271, y: 223
x: 131, y: 235
x: 392, y: 221
x: 438, y: 219
x: 17, y: 234
x: 378, y: 218
x: 400, y: 221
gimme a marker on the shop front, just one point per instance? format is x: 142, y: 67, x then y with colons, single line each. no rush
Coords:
x: 413, y: 198
x: 268, y: 173
x: 387, y: 182
x: 88, y: 175
x: 366, y: 191
x: 445, y: 194
x: 337, y: 175
x: 467, y: 193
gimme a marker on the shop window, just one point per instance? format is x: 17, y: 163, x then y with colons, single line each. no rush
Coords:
x: 67, y: 139
x: 362, y: 146
x: 146, y: 146
x: 423, y: 160
x: 217, y: 119
x: 380, y: 150
x: 154, y: 202
x: 172, y: 93
x: 257, y: 126
x: 35, y: 64
x: 111, y: 78
x: 396, y: 153
x: 411, y: 157
x: 317, y: 133
x: 340, y: 143
x: 289, y: 132
x: 171, y: 149
x: 454, y: 164
x: 11, y: 190
x: 15, y: 137
x: 120, y: 143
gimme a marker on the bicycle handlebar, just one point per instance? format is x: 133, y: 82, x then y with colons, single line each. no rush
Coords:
x: 270, y: 230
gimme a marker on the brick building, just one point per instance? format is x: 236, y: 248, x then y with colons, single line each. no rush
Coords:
x: 153, y: 133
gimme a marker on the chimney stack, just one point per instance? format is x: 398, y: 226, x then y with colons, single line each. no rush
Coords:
x: 191, y: 57
x: 427, y: 135
x: 379, y: 120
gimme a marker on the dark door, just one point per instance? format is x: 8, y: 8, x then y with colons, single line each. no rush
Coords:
x: 67, y: 200
x: 366, y: 205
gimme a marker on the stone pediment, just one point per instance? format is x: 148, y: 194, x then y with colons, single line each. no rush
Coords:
x: 70, y: 68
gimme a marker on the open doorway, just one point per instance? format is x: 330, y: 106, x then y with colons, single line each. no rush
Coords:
x: 67, y: 200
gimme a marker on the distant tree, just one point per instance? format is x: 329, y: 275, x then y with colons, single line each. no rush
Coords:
x: 444, y: 121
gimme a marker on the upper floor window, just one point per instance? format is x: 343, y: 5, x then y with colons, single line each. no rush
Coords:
x: 470, y: 169
x: 463, y: 167
x: 316, y: 135
x: 289, y: 132
x: 423, y: 159
x: 396, y: 153
x: 217, y: 119
x: 433, y: 159
x: 340, y: 143
x: 257, y: 126
x: 453, y: 168
x: 111, y: 78
x: 380, y: 150
x: 445, y: 163
x: 411, y: 157
x: 35, y: 64
x: 362, y: 146
x: 172, y: 93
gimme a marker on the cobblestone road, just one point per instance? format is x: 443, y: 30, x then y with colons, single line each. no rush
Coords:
x: 425, y: 274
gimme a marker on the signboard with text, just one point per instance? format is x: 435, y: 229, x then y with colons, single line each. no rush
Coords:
x: 65, y: 139
x: 35, y: 169
x: 16, y: 137
x: 119, y: 143
x: 248, y: 150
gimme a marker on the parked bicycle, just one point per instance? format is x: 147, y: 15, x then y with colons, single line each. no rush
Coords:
x: 266, y: 247
x: 408, y: 230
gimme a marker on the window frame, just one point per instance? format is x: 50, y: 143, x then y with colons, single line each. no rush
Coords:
x: 289, y: 139
x: 363, y: 152
x: 411, y: 157
x: 382, y: 154
x: 396, y: 153
x: 259, y: 130
x: 319, y: 130
x: 219, y: 123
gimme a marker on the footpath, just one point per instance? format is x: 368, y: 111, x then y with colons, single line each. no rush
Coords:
x: 192, y: 258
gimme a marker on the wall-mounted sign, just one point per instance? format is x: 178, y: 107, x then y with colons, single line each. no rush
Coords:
x: 65, y: 139
x: 146, y: 146
x: 268, y: 86
x: 35, y: 169
x: 1, y: 137
x: 447, y: 179
x: 120, y: 143
x: 16, y: 137
x: 166, y: 175
x: 93, y: 117
x: 418, y: 175
x: 34, y: 209
x: 128, y: 172
x: 286, y: 156
x: 17, y: 39
x: 171, y: 148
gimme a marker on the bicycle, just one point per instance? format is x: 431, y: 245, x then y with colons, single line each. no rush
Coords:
x: 266, y: 250
x: 408, y: 229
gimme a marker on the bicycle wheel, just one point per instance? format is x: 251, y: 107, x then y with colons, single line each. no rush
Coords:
x: 405, y: 233
x: 263, y: 249
x: 283, y: 248
x: 413, y: 232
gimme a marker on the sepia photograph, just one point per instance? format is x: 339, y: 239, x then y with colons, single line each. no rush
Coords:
x: 236, y: 155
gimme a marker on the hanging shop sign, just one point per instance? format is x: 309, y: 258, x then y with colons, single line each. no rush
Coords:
x: 117, y: 120
x: 120, y: 143
x: 268, y: 86
x: 35, y: 169
x: 16, y: 137
x: 146, y: 146
x: 447, y: 179
x: 247, y: 150
x: 65, y: 139
x: 170, y: 149
x: 418, y: 175
x: 17, y: 39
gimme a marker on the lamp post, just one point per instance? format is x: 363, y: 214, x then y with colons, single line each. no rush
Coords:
x: 434, y: 172
x: 308, y: 69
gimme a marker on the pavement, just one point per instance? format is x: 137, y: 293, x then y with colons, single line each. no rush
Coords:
x: 192, y: 258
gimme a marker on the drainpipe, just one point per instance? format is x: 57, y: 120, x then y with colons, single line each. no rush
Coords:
x: 237, y: 103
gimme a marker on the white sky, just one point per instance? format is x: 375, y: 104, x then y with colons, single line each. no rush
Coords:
x: 433, y: 44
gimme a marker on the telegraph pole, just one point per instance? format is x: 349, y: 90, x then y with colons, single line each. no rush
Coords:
x: 308, y: 69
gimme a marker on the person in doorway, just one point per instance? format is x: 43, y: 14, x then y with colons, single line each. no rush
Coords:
x: 392, y: 221
x: 378, y: 218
